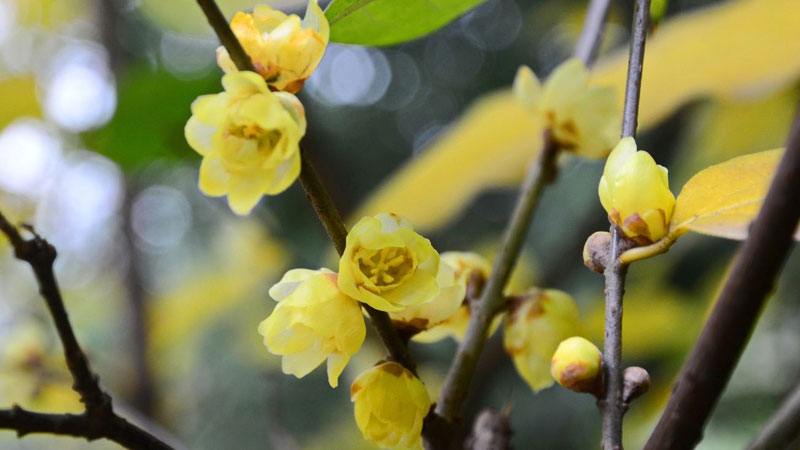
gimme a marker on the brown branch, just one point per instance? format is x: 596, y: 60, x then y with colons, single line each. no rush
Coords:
x: 456, y: 385
x: 709, y: 367
x: 99, y: 419
x: 783, y: 428
x: 316, y: 193
x: 612, y: 405
x: 110, y: 426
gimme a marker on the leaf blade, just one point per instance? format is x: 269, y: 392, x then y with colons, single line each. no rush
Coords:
x: 389, y: 22
x: 723, y: 199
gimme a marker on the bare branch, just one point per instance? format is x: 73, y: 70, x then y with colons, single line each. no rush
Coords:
x: 99, y: 420
x: 588, y: 45
x: 783, y: 428
x: 612, y: 405
x: 709, y: 366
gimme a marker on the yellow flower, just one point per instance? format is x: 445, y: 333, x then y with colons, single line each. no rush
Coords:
x: 635, y: 193
x: 312, y: 321
x: 455, y: 270
x: 534, y: 329
x: 387, y: 265
x: 390, y: 405
x: 249, y: 138
x: 577, y: 365
x: 284, y: 50
x: 582, y: 119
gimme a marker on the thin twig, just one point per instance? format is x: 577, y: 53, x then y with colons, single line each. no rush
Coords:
x: 709, y: 366
x: 99, y: 419
x: 456, y: 385
x: 316, y: 193
x: 612, y: 406
x: 588, y: 45
x: 541, y: 172
x: 783, y: 427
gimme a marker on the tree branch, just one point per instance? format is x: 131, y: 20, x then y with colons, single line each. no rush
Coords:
x: 783, y: 428
x: 612, y: 406
x: 588, y: 45
x: 491, y: 301
x: 99, y: 419
x: 709, y: 366
x: 316, y: 193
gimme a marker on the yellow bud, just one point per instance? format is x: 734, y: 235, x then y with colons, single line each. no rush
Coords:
x: 535, y: 327
x: 312, y: 321
x: 390, y: 406
x: 582, y: 119
x: 635, y: 193
x: 284, y: 50
x: 456, y: 269
x: 577, y: 365
x: 249, y: 138
x: 387, y: 265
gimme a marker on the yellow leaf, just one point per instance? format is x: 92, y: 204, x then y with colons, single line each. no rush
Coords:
x: 489, y: 146
x: 737, y: 49
x: 723, y: 199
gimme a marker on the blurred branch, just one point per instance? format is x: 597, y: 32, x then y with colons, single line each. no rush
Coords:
x: 612, y: 405
x: 714, y: 356
x: 99, y: 419
x: 588, y: 45
x: 316, y: 193
x: 783, y: 428
x: 143, y: 396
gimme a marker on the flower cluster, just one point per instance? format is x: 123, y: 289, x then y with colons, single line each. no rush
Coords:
x: 249, y: 135
x: 581, y: 119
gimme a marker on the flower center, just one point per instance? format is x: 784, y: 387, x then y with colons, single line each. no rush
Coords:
x: 387, y: 267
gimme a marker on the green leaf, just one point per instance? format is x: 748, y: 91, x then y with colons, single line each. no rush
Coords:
x: 152, y: 109
x: 388, y: 22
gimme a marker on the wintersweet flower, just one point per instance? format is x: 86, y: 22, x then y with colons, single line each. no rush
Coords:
x: 533, y: 330
x: 387, y: 265
x: 312, y: 321
x: 249, y: 138
x: 577, y: 365
x: 390, y: 406
x: 581, y: 119
x: 455, y: 271
x: 284, y: 50
x: 635, y: 193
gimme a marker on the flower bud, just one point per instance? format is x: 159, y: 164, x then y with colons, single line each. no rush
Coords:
x: 636, y: 381
x: 577, y: 365
x: 284, y: 50
x: 634, y: 190
x: 249, y: 138
x: 390, y: 406
x: 595, y: 251
x: 387, y: 265
x: 535, y: 327
x: 312, y: 321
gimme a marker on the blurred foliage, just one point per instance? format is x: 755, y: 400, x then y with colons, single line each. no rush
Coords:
x: 387, y: 22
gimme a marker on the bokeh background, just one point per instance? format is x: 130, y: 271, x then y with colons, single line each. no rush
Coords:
x: 166, y: 287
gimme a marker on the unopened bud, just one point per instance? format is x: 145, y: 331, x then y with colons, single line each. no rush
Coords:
x: 636, y: 381
x: 577, y: 365
x: 595, y: 251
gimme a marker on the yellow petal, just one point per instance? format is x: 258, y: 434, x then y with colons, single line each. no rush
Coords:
x: 214, y: 178
x: 526, y: 87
